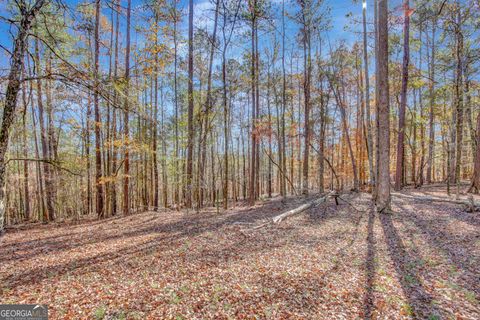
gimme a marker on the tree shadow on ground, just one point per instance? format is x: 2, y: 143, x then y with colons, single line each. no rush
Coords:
x: 331, y: 208
x: 301, y: 294
x: 369, y: 267
x: 454, y: 249
x: 457, y: 211
x: 69, y: 231
x: 420, y: 302
x: 164, y: 237
x: 470, y: 218
x: 305, y: 294
x: 139, y: 225
x: 183, y: 227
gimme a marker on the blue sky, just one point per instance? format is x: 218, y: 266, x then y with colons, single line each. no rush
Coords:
x: 203, y: 17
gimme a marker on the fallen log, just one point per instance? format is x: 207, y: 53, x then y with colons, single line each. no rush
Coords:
x: 470, y: 203
x: 303, y: 207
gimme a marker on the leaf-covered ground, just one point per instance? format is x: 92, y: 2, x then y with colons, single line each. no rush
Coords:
x: 331, y: 262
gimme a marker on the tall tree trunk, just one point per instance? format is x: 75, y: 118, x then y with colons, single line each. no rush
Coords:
x: 360, y: 125
x: 25, y: 155
x: 126, y: 165
x: 98, y: 152
x: 377, y: 94
x: 414, y: 139
x: 257, y: 111
x: 282, y: 144
x: 50, y: 208
x: 422, y: 114
x: 113, y: 196
x: 208, y: 106
x: 155, y: 125
x: 52, y: 141
x: 403, y: 98
x: 108, y: 148
x: 367, y: 98
x: 469, y: 111
x: 321, y: 148
x: 253, y: 169
x: 269, y: 115
x: 164, y: 151
x: 383, y: 181
x: 341, y: 104
x: 40, y: 187
x: 176, y: 196
x: 431, y: 123
x: 87, y: 153
x: 306, y: 91
x: 191, y: 135
x: 225, y: 130
x: 459, y: 99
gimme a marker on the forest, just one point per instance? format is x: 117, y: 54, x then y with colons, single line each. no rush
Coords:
x: 240, y: 159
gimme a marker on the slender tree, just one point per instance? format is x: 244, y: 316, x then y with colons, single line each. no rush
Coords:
x: 307, y: 12
x: 253, y: 163
x: 113, y: 196
x: 403, y: 98
x: 431, y: 117
x: 98, y: 123
x: 49, y: 214
x: 367, y: 96
x: 126, y: 164
x: 459, y: 55
x: 191, y: 133
x: 282, y: 144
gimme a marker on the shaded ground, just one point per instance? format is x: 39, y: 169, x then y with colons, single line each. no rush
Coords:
x: 327, y: 263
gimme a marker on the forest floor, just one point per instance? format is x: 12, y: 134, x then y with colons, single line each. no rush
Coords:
x: 330, y: 262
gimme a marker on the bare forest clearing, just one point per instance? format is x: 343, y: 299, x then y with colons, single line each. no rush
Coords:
x: 240, y: 159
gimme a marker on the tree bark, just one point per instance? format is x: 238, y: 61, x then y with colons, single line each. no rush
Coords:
x: 98, y: 152
x: 431, y: 123
x: 176, y: 196
x: 420, y: 176
x: 403, y: 99
x: 475, y: 186
x: 270, y: 148
x: 225, y: 130
x: 191, y: 134
x: 208, y: 107
x: 367, y: 98
x: 155, y: 125
x: 383, y: 182
x: 307, y: 66
x: 126, y: 164
x: 459, y: 99
x: 49, y: 214
x: 282, y: 144
x: 414, y: 139
x: 253, y: 169
x: 113, y: 198
x: 25, y: 155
